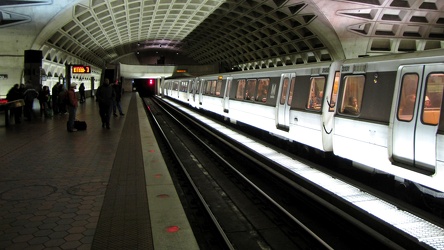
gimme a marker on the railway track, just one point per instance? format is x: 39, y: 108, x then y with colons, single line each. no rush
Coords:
x: 237, y: 199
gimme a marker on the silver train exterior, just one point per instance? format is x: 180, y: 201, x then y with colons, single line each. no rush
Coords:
x: 382, y: 113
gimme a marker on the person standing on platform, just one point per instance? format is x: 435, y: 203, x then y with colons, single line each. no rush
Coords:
x: 72, y: 104
x: 105, y: 96
x: 44, y: 101
x: 62, y: 100
x: 15, y: 94
x: 55, y: 98
x: 29, y: 95
x: 116, y: 105
x: 82, y: 93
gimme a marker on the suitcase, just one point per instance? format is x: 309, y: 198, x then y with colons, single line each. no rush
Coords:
x: 80, y: 125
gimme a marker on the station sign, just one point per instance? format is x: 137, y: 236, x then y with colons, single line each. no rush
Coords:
x: 80, y: 69
x: 181, y: 71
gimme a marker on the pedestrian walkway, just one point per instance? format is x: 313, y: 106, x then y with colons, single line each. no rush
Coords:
x: 93, y: 189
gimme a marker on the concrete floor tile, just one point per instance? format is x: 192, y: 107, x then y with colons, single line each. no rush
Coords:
x: 38, y: 240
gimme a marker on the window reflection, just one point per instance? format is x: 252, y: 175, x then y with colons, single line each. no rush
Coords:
x: 250, y: 89
x: 284, y: 91
x: 316, y: 93
x: 262, y: 90
x: 352, y: 96
x: 433, y: 99
x: 240, y: 89
x: 407, y: 100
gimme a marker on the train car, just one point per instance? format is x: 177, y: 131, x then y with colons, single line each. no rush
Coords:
x: 288, y: 102
x: 382, y: 113
x: 389, y: 117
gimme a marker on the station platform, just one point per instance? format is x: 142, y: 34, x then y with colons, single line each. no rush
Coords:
x: 92, y: 189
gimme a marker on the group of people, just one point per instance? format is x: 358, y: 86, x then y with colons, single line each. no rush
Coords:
x: 28, y: 94
x: 64, y: 100
x: 108, y: 96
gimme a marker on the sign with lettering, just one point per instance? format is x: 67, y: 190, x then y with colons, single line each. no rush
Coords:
x: 80, y: 69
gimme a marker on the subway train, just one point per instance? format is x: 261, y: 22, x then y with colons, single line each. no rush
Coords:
x: 383, y: 113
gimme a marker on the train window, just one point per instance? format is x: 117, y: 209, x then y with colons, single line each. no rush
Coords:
x: 240, y: 89
x: 190, y: 87
x: 407, y: 100
x: 207, y: 87
x: 431, y: 110
x: 262, y: 90
x: 203, y: 87
x: 352, y: 96
x: 175, y: 85
x: 284, y: 91
x: 290, y: 93
x: 250, y: 89
x: 218, y: 87
x: 213, y: 87
x: 196, y: 87
x: 316, y: 93
x: 183, y: 86
x: 334, y: 93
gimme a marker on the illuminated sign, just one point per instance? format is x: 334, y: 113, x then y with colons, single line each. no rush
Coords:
x: 181, y: 71
x: 81, y: 69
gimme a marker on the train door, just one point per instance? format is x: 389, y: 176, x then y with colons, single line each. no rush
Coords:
x: 227, y: 94
x: 416, y: 122
x: 194, y: 86
x: 190, y: 91
x: 284, y: 101
x: 201, y: 90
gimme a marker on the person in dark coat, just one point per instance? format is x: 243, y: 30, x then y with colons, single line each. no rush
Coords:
x: 15, y: 94
x: 116, y: 105
x: 55, y: 98
x: 82, y: 93
x: 29, y: 95
x: 62, y: 99
x: 105, y: 96
x: 44, y: 97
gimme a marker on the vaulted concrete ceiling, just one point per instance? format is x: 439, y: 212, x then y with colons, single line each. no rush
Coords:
x: 244, y: 33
